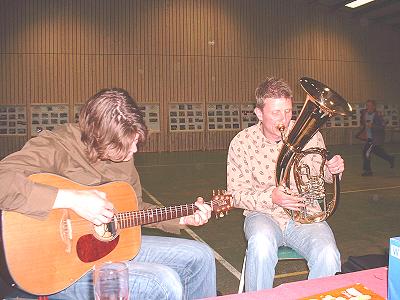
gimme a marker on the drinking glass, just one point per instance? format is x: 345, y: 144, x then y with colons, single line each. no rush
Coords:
x: 111, y: 281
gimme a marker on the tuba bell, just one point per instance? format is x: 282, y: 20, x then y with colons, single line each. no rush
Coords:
x: 322, y: 103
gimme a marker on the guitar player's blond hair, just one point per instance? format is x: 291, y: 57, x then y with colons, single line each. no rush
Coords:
x: 109, y: 122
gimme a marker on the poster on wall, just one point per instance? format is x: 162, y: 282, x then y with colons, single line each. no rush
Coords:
x: 248, y: 117
x: 47, y: 116
x: 223, y: 116
x: 13, y: 120
x: 186, y: 117
x: 352, y: 120
x: 296, y: 109
x: 336, y: 121
x: 356, y: 115
x: 390, y: 114
x: 341, y: 121
x: 151, y: 113
x: 77, y: 109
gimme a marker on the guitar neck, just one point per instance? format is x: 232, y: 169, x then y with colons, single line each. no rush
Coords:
x: 154, y: 215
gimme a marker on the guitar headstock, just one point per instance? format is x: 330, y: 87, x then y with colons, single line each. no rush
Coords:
x: 221, y: 202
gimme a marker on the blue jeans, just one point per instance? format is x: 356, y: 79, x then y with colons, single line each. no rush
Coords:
x: 315, y: 242
x: 165, y: 268
x: 378, y: 150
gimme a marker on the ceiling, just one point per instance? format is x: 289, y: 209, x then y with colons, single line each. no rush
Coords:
x: 382, y: 12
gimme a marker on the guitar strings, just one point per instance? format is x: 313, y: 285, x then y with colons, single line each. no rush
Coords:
x: 133, y: 217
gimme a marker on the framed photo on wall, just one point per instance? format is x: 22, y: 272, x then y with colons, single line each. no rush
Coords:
x: 13, y: 120
x: 297, y: 107
x: 248, y: 117
x: 390, y: 114
x: 77, y: 109
x: 223, y: 116
x: 151, y: 113
x: 186, y: 117
x: 47, y: 116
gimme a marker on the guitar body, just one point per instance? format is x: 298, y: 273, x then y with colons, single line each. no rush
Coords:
x: 46, y: 256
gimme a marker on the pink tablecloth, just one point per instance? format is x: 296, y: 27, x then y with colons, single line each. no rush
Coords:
x: 374, y: 279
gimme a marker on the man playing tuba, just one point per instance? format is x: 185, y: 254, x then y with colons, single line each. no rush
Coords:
x: 251, y: 178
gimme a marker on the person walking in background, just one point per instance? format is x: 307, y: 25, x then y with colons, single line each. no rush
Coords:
x: 373, y: 133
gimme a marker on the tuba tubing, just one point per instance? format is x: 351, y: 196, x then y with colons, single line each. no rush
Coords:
x: 322, y: 103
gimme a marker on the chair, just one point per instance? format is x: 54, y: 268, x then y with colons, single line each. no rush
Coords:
x: 284, y: 253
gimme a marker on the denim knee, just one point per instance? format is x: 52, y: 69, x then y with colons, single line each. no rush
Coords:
x: 155, y: 282
x: 199, y: 273
x: 262, y: 245
x: 324, y: 260
x: 204, y: 254
x: 324, y: 248
x: 331, y: 254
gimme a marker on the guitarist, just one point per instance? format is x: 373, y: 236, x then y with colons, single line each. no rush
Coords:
x: 97, y: 150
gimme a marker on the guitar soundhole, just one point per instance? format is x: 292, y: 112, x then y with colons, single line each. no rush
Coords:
x: 90, y: 249
x: 106, y: 232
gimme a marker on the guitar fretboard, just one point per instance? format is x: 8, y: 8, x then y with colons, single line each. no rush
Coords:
x: 154, y: 215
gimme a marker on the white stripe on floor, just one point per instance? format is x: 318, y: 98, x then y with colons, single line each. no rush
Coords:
x: 218, y: 257
x: 373, y: 189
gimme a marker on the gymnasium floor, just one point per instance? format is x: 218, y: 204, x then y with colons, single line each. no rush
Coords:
x: 367, y: 215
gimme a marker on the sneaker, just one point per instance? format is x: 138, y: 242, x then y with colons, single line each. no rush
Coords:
x: 367, y: 173
x: 392, y: 162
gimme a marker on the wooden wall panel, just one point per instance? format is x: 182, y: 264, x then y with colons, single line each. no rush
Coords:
x: 186, y: 141
x: 219, y: 140
x: 152, y: 144
x: 11, y: 144
x: 187, y: 51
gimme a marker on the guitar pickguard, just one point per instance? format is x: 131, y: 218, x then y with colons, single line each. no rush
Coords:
x: 90, y: 249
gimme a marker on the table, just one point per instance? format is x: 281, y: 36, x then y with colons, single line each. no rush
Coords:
x: 374, y: 279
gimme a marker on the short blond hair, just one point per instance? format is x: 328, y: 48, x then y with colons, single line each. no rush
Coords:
x: 272, y: 88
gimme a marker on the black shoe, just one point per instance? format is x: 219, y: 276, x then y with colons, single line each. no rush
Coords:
x: 392, y: 162
x: 367, y: 173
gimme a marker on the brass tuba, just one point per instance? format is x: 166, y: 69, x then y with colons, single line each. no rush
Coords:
x: 321, y: 104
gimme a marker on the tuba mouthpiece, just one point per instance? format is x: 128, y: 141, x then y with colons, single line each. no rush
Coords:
x: 280, y: 127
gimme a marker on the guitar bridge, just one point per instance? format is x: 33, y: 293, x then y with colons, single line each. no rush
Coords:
x: 66, y: 230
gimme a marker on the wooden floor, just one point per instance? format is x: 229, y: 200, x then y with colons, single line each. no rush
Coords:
x: 366, y: 218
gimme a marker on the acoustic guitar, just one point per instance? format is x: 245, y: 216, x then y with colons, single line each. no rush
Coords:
x: 43, y: 257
